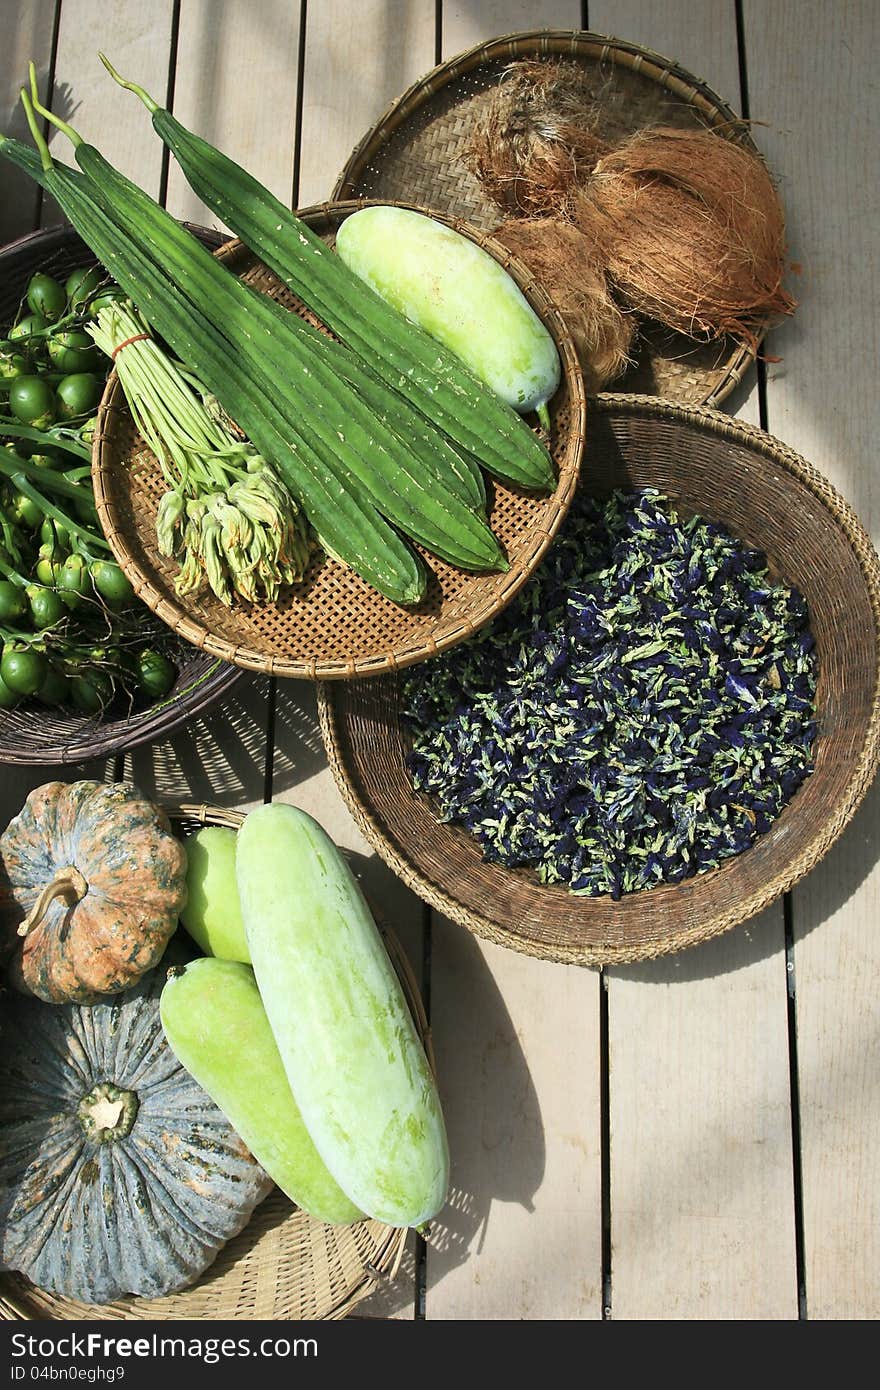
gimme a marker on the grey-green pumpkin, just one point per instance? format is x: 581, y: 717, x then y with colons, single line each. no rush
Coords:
x: 117, y: 1173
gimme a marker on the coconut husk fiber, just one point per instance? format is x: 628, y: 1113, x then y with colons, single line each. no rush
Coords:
x: 565, y: 262
x: 691, y: 230
x: 687, y: 222
x: 536, y: 139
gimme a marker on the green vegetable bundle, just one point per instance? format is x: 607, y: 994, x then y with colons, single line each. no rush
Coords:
x: 226, y: 511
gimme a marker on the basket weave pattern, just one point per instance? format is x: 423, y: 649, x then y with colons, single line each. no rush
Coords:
x: 284, y: 1264
x: 774, y: 500
x: 334, y: 625
x: 415, y: 152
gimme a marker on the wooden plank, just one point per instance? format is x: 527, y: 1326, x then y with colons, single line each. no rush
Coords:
x: 137, y: 40
x: 517, y: 1045
x: 237, y: 86
x: 355, y: 63
x: 216, y: 759
x: 518, y: 1060
x: 465, y: 23
x: 811, y: 73
x: 701, y: 1167
x: 28, y: 27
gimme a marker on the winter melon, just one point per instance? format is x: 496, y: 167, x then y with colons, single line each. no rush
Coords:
x: 457, y: 292
x: 217, y: 1028
x: 351, y: 1052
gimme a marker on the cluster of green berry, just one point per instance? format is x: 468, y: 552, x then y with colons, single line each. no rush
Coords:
x: 72, y: 630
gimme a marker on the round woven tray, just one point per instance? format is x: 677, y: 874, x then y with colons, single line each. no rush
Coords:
x: 415, y: 151
x: 284, y: 1264
x: 333, y: 625
x: 765, y: 494
x: 32, y: 733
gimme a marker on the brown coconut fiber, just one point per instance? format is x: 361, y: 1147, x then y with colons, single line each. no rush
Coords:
x: 692, y: 231
x: 537, y: 138
x: 565, y: 262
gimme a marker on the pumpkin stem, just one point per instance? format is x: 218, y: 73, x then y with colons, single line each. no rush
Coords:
x: 67, y: 883
x: 107, y: 1113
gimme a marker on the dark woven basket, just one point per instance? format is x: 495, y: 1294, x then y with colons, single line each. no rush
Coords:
x: 774, y: 500
x: 32, y: 733
x: 415, y: 152
x: 284, y: 1264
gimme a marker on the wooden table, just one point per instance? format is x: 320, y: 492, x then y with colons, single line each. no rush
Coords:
x: 694, y: 1138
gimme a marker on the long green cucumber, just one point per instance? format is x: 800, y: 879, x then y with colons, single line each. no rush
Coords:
x: 348, y: 525
x: 217, y: 1028
x: 354, y: 1061
x: 329, y: 416
x: 409, y: 359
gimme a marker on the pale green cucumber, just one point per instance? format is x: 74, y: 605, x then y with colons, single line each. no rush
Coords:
x: 353, y: 1058
x: 212, y: 915
x: 217, y: 1028
x: 458, y: 293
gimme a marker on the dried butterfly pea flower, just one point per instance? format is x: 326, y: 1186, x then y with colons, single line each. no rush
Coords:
x: 641, y: 711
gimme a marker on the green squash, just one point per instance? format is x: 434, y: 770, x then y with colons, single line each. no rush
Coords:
x: 118, y: 1174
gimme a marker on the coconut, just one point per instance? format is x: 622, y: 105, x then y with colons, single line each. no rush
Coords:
x: 692, y: 231
x: 537, y: 138
x: 564, y: 261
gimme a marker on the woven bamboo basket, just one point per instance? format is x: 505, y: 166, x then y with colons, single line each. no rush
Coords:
x: 34, y: 734
x: 721, y: 469
x: 333, y: 625
x: 284, y: 1264
x: 415, y: 151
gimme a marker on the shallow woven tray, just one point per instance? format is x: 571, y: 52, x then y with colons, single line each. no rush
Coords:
x: 415, y: 149
x: 32, y: 733
x: 771, y: 498
x: 334, y: 625
x: 284, y: 1264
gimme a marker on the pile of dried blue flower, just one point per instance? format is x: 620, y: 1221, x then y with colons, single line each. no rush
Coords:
x: 641, y: 711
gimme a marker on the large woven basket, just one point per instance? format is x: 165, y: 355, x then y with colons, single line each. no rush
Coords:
x: 767, y: 495
x: 32, y: 733
x: 415, y: 152
x: 334, y: 625
x: 284, y: 1264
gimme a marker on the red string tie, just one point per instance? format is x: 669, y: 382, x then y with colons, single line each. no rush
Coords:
x: 138, y: 337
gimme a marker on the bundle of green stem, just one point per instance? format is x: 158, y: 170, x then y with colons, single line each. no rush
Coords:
x: 227, y: 516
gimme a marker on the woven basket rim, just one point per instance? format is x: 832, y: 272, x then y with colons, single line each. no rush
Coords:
x: 827, y: 832
x: 391, y: 1240
x: 666, y: 72
x: 407, y: 652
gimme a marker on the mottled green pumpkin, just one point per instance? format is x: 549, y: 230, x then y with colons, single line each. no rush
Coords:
x: 91, y: 885
x: 117, y: 1173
